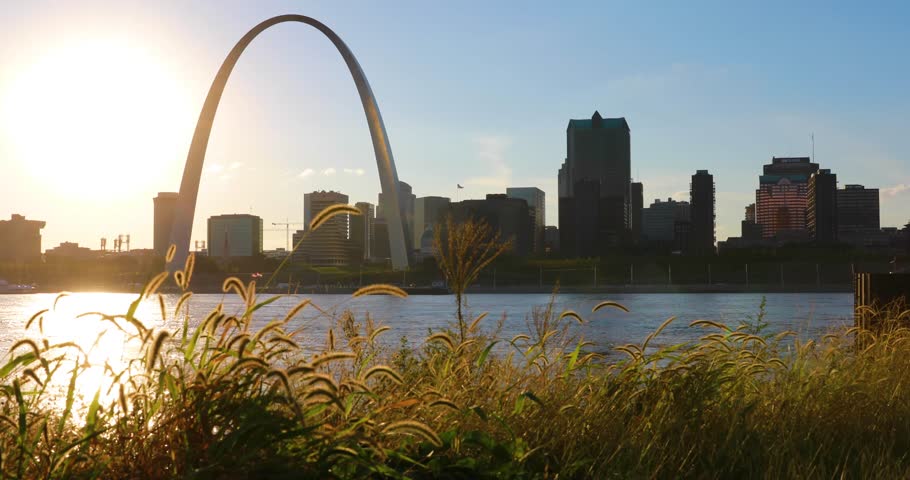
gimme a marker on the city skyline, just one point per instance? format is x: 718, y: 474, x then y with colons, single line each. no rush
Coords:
x: 654, y: 85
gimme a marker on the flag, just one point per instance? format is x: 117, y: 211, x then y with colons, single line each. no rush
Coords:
x: 459, y: 185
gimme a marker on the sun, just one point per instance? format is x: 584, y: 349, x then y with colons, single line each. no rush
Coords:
x: 96, y: 118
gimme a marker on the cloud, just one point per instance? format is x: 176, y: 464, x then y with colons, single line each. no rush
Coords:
x: 895, y: 190
x: 219, y: 172
x: 213, y: 168
x: 664, y: 184
x: 491, y: 150
x: 306, y: 173
x: 354, y: 171
x: 329, y: 171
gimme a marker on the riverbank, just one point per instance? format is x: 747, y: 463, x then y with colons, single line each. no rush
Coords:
x: 604, y: 289
x: 212, y: 287
x: 242, y: 397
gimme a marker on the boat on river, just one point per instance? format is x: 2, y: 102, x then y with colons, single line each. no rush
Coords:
x: 6, y: 287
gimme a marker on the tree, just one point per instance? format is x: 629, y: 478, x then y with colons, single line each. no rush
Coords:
x: 463, y: 250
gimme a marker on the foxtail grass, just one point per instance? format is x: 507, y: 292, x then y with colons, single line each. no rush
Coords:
x: 218, y: 398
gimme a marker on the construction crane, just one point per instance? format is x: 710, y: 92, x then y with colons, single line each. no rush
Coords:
x: 287, y: 231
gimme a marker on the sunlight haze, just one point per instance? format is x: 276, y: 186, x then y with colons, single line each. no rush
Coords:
x: 98, y: 110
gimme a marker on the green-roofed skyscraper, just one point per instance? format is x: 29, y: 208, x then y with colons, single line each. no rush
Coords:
x: 594, y: 186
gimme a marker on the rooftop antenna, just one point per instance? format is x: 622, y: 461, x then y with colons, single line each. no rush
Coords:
x: 812, y: 137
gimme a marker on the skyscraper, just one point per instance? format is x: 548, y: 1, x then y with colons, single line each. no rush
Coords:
x: 594, y: 185
x: 638, y: 204
x: 363, y: 230
x: 510, y: 217
x: 857, y: 213
x: 406, y: 198
x: 329, y: 244
x: 380, y: 250
x: 536, y: 199
x: 821, y: 206
x: 165, y: 205
x: 702, y: 208
x: 428, y: 212
x: 780, y: 200
x: 233, y: 236
x: 751, y: 231
x: 659, y: 220
x: 551, y: 239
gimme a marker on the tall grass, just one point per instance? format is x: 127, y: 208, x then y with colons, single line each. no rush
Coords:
x: 217, y: 398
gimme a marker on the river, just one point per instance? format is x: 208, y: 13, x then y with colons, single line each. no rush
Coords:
x: 809, y: 314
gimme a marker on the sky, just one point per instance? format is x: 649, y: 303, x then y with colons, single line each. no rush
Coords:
x: 98, y: 101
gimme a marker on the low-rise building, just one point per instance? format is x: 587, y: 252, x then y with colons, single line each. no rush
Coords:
x: 234, y: 236
x: 20, y: 239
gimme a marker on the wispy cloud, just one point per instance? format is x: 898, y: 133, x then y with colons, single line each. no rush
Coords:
x: 330, y: 171
x: 213, y: 168
x: 219, y: 171
x: 491, y: 150
x: 895, y: 190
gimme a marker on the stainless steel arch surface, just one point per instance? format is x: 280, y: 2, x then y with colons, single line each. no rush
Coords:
x: 182, y: 228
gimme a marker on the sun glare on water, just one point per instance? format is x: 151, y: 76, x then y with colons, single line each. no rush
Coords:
x: 101, y: 348
x: 95, y: 118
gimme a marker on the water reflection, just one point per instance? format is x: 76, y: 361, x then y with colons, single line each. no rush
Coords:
x: 98, y: 347
x: 104, y: 350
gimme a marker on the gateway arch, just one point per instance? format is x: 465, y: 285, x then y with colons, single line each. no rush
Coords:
x: 182, y: 228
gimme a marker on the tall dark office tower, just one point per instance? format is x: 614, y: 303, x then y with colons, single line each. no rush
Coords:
x: 165, y: 205
x: 659, y: 221
x: 362, y: 230
x: 638, y: 204
x: 780, y: 200
x: 857, y: 214
x: 380, y: 249
x: 406, y: 199
x: 598, y: 160
x: 702, y: 208
x: 551, y: 239
x: 510, y: 217
x: 428, y: 212
x: 821, y: 207
x: 536, y: 199
x: 751, y: 231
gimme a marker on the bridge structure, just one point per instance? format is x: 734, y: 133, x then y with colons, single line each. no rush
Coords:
x: 185, y: 212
